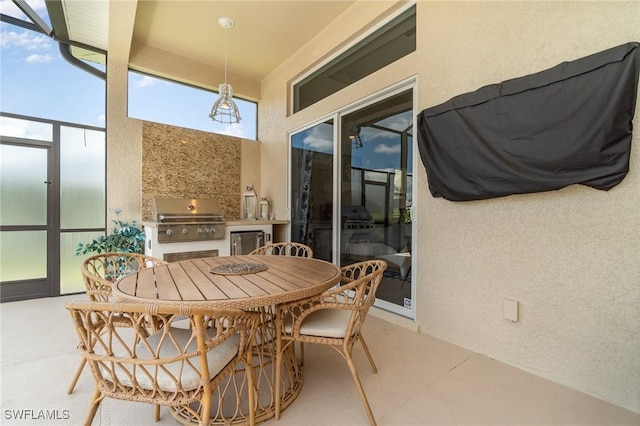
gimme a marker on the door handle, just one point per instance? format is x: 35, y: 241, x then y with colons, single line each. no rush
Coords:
x: 48, y: 182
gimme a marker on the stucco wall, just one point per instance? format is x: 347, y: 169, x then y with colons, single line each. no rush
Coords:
x: 569, y: 257
x: 124, y: 136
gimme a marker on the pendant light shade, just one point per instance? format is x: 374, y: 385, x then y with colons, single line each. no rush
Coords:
x: 224, y: 110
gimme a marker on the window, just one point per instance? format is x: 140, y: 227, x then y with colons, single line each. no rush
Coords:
x: 389, y: 43
x: 169, y: 102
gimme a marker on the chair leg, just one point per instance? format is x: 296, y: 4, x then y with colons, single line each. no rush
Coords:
x: 156, y: 415
x: 365, y: 402
x: 205, y: 406
x: 366, y: 350
x: 277, y: 378
x: 251, y: 388
x: 301, y: 353
x: 77, y: 376
x: 95, y: 403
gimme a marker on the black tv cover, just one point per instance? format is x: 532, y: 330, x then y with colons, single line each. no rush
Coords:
x: 570, y: 124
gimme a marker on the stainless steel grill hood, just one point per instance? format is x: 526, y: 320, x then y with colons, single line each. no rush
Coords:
x: 186, y: 210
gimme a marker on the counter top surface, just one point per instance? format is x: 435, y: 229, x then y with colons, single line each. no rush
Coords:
x: 256, y: 222
x: 233, y: 223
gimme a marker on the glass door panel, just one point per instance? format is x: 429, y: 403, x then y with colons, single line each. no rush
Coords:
x: 23, y: 188
x: 82, y: 178
x: 376, y: 151
x: 312, y: 189
x: 70, y: 274
x: 24, y: 255
x: 82, y: 199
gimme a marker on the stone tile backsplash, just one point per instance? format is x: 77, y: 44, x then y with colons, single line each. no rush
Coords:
x: 186, y: 163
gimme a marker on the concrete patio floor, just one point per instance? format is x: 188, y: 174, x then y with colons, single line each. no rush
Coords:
x: 421, y: 381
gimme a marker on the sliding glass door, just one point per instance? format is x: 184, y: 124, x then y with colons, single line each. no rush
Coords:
x: 351, y: 200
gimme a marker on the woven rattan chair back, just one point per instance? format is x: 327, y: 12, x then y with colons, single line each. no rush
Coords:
x: 284, y: 249
x: 358, y: 286
x: 171, y: 366
x: 334, y: 318
x: 100, y: 271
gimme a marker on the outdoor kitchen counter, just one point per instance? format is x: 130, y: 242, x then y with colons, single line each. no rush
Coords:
x: 237, y: 222
x: 256, y: 222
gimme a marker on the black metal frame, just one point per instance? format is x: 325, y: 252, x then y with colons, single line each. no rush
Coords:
x: 50, y: 285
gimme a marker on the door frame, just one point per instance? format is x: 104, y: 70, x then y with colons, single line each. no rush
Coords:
x: 49, y: 285
x: 410, y: 83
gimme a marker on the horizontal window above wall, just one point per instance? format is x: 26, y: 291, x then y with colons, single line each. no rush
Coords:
x: 392, y: 41
x: 169, y: 102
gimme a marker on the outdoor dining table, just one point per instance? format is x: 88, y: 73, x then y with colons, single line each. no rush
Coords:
x: 256, y: 283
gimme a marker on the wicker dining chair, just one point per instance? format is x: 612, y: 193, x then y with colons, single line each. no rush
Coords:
x: 284, y: 249
x: 99, y: 272
x: 172, y: 366
x: 333, y: 318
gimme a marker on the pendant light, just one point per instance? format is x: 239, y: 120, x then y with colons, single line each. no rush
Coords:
x: 224, y: 110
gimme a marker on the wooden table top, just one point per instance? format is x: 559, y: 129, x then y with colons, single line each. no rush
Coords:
x: 190, y: 282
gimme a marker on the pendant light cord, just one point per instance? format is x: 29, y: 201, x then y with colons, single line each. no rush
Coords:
x: 225, y: 56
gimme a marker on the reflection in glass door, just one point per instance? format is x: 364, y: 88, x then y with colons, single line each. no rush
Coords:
x: 311, y: 201
x: 24, y: 221
x: 376, y: 193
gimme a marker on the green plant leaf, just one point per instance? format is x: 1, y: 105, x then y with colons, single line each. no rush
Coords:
x: 124, y: 237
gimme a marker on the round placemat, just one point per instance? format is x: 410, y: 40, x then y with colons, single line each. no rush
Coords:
x: 238, y: 268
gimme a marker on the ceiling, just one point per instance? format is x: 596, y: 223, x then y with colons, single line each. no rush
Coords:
x: 265, y: 33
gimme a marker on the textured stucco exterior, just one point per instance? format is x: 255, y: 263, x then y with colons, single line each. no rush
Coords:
x: 570, y: 257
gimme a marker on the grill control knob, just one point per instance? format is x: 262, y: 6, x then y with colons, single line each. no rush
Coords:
x: 185, y: 231
x: 201, y: 230
x: 207, y: 230
x: 214, y: 230
x: 169, y: 232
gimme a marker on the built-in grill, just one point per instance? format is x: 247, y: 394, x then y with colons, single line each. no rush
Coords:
x: 180, y: 220
x: 357, y: 226
x: 356, y: 217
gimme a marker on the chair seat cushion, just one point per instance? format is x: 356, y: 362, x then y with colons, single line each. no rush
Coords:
x: 324, y: 323
x: 189, y: 378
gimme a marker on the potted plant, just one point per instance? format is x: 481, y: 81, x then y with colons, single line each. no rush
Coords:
x: 124, y: 238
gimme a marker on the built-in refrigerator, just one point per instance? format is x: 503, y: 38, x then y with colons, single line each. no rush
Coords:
x: 244, y: 242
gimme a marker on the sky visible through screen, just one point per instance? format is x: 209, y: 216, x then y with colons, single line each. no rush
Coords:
x: 35, y: 80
